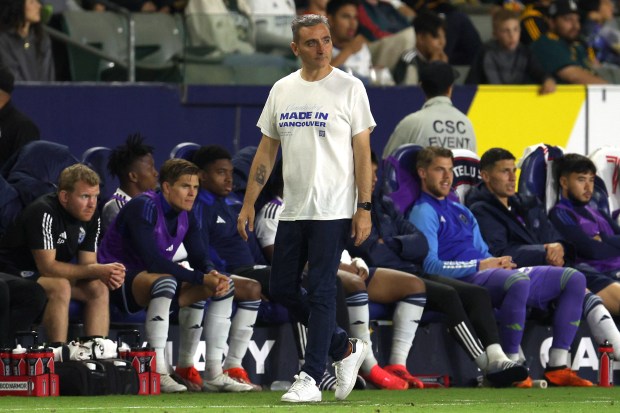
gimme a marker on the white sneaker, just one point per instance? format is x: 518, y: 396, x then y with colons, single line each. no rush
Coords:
x: 304, y: 390
x: 225, y: 384
x: 347, y: 368
x: 168, y: 385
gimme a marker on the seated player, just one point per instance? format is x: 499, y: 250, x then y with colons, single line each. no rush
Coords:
x: 145, y: 237
x: 457, y: 250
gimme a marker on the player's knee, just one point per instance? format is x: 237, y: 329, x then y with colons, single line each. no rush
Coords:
x: 247, y: 289
x: 164, y: 287
x: 517, y: 286
x: 415, y: 286
x: 573, y: 280
x: 57, y: 289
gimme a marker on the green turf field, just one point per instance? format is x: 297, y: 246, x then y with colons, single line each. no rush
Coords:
x: 564, y: 400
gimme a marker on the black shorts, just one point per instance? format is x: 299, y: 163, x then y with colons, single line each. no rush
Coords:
x: 124, y: 300
x: 259, y: 273
x: 595, y: 280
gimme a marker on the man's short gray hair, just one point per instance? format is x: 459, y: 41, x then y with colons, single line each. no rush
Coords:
x: 306, y: 20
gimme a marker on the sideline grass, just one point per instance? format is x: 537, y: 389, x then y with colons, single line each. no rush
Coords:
x: 563, y: 400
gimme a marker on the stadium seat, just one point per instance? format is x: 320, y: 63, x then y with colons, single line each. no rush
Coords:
x: 96, y: 158
x: 103, y: 30
x: 607, y: 161
x: 484, y: 25
x: 536, y: 178
x: 399, y: 183
x: 185, y: 150
x: 466, y: 172
x: 35, y: 169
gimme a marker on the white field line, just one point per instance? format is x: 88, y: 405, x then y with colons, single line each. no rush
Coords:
x: 301, y: 405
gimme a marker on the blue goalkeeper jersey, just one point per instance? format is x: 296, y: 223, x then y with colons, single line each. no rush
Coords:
x: 455, y: 245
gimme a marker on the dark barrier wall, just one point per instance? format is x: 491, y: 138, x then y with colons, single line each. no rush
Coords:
x: 86, y: 115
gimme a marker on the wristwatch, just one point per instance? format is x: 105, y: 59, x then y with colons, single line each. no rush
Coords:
x: 365, y: 205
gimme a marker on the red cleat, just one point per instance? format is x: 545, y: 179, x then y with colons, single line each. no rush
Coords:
x: 399, y: 370
x: 239, y: 374
x: 566, y: 377
x: 190, y: 378
x: 384, y: 380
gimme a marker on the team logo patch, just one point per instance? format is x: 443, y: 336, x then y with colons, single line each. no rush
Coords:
x: 81, y: 235
x: 321, y: 134
x: 463, y: 218
x: 26, y: 274
x: 536, y: 223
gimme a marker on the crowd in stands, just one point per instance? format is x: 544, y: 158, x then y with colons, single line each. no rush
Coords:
x: 382, y: 42
x: 167, y: 240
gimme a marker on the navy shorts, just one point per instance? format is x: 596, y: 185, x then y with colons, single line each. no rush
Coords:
x: 124, y: 300
x: 595, y: 280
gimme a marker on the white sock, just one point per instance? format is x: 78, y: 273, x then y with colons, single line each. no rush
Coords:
x: 156, y: 329
x: 603, y: 326
x: 216, y: 329
x: 557, y: 357
x: 241, y: 332
x: 357, y: 307
x: 406, y: 320
x: 190, y: 332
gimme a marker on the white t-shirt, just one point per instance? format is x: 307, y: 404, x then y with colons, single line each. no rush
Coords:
x: 112, y: 207
x: 315, y: 123
x: 266, y: 224
x: 359, y: 62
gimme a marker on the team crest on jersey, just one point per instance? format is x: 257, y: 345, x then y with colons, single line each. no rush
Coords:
x: 26, y: 274
x: 463, y: 218
x: 81, y: 235
x: 321, y: 133
x: 536, y: 223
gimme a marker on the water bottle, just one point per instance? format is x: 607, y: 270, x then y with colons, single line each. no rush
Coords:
x: 606, y: 368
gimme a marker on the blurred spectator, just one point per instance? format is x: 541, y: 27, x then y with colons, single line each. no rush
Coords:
x: 16, y: 129
x: 378, y: 19
x: 559, y: 50
x: 24, y: 47
x: 462, y: 38
x: 438, y: 123
x: 350, y: 52
x: 147, y: 6
x: 533, y: 16
x: 273, y: 25
x: 534, y: 21
x: 600, y: 29
x: 316, y: 7
x: 226, y: 26
x: 389, y: 32
x: 430, y: 42
x: 505, y: 61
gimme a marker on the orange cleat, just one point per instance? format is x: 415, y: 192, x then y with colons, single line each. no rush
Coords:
x: 400, y: 371
x: 384, y: 380
x: 190, y: 378
x: 566, y: 377
x: 239, y: 374
x: 525, y: 384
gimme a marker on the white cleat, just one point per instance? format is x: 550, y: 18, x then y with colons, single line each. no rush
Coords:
x: 223, y: 383
x: 303, y: 390
x: 168, y: 385
x: 347, y: 368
